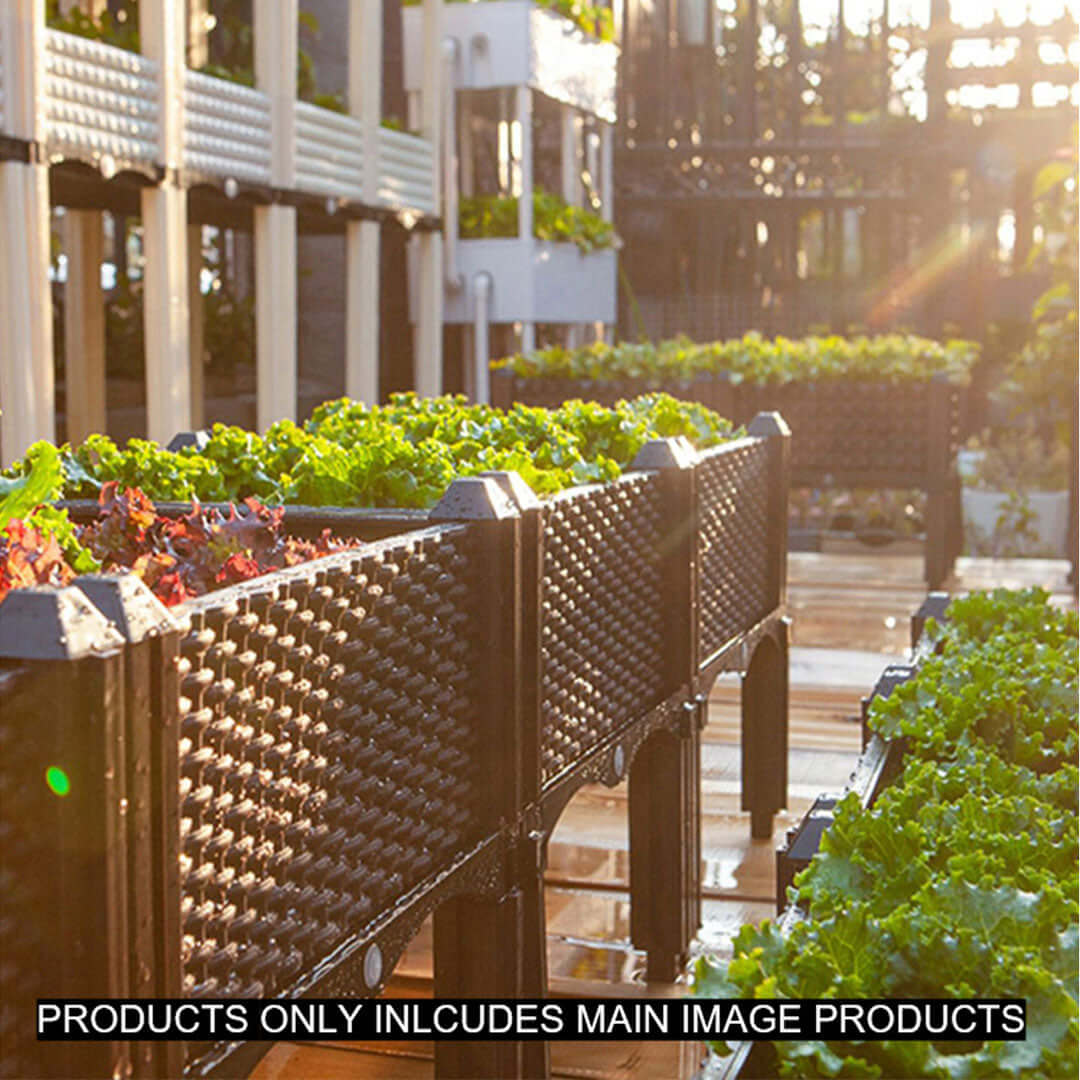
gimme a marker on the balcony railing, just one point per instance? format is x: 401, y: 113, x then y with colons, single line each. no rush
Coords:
x: 102, y: 107
x: 100, y: 102
x: 329, y: 152
x: 226, y: 129
x: 406, y: 171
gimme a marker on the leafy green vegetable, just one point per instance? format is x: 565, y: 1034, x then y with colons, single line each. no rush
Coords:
x: 40, y: 483
x: 401, y: 454
x: 553, y: 219
x: 891, y: 358
x: 961, y: 881
x: 24, y: 498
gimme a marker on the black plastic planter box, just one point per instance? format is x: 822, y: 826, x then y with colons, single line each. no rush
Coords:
x: 264, y: 791
x: 845, y: 433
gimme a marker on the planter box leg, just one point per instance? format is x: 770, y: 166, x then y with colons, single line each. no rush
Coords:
x: 956, y: 520
x: 480, y: 952
x: 536, y: 1056
x: 937, y: 540
x: 765, y: 731
x: 665, y: 849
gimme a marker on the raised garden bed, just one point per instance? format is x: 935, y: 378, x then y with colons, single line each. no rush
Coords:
x: 949, y: 868
x: 882, y: 413
x: 267, y: 788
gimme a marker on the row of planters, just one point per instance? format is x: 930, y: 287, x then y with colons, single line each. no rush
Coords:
x: 267, y: 743
x: 880, y: 413
x: 949, y: 868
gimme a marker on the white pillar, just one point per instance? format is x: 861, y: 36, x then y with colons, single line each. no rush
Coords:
x: 164, y: 217
x: 607, y: 201
x: 607, y: 186
x: 275, y: 315
x: 523, y: 119
x: 27, y: 387
x: 362, y: 243
x: 429, y: 329
x: 197, y: 317
x: 528, y: 337
x: 570, y: 155
x: 466, y: 151
x: 165, y: 312
x: 362, y: 237
x: 478, y: 343
x: 198, y: 39
x: 275, y: 226
x: 428, y: 340
x: 84, y: 323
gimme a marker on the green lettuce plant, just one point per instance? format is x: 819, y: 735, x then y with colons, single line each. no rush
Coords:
x: 961, y: 880
x: 894, y: 358
x: 402, y: 454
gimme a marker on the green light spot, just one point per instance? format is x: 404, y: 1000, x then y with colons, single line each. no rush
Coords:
x: 59, y: 782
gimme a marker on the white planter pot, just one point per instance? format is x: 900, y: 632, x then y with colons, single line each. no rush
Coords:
x: 1050, y: 524
x: 532, y: 281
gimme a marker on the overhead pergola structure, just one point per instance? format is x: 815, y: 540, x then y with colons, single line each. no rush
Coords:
x: 94, y: 127
x: 785, y: 165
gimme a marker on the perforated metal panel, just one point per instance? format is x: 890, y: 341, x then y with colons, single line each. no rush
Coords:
x: 732, y: 542
x: 602, y: 627
x: 328, y: 754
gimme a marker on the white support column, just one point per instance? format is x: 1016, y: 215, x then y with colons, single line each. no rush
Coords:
x: 362, y: 243
x: 197, y: 316
x: 27, y: 387
x: 165, y: 312
x: 607, y: 201
x: 523, y: 122
x: 478, y: 342
x: 362, y: 237
x: 198, y: 39
x: 528, y: 337
x: 84, y: 323
x: 450, y: 195
x: 570, y: 154
x: 607, y: 186
x: 275, y: 315
x: 164, y: 217
x: 466, y: 159
x: 275, y: 225
x: 429, y: 329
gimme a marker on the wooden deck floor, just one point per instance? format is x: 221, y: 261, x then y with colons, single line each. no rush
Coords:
x: 850, y: 617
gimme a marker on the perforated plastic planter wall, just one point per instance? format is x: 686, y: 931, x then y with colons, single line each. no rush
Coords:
x: 267, y: 789
x: 844, y: 434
